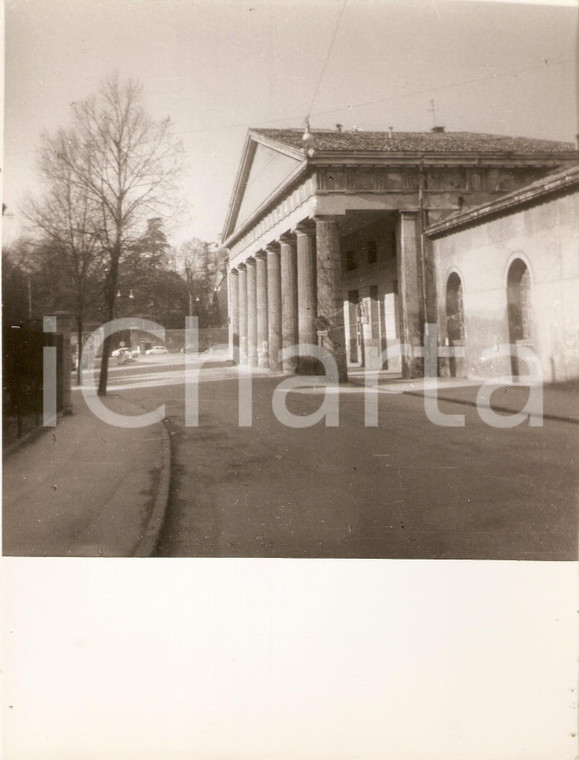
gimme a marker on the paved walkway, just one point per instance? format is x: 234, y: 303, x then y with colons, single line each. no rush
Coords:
x: 86, y: 488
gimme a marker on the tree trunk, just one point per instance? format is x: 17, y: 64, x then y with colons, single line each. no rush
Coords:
x: 110, y: 297
x: 79, y: 330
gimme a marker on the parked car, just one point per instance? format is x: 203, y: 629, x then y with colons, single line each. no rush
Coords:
x: 124, y: 353
x: 189, y: 349
x: 157, y: 350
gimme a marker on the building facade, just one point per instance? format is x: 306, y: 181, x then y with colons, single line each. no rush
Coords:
x: 507, y: 274
x: 325, y: 232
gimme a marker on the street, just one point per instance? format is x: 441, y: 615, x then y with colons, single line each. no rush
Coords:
x: 405, y: 489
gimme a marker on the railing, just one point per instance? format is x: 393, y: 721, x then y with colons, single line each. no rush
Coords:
x: 22, y: 377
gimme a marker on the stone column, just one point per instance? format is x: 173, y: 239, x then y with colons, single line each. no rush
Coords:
x: 261, y: 285
x: 234, y: 314
x: 409, y: 293
x: 251, y: 314
x: 306, y: 288
x: 273, y: 306
x: 329, y: 290
x: 289, y: 300
x: 242, y: 314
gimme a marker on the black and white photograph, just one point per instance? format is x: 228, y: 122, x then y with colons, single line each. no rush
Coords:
x: 290, y: 333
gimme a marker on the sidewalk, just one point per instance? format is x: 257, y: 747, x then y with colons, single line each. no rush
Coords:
x: 86, y: 488
x: 560, y: 401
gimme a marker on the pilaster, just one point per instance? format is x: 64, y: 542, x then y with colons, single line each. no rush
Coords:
x: 409, y: 292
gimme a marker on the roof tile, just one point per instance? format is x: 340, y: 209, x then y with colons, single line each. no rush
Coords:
x: 431, y: 142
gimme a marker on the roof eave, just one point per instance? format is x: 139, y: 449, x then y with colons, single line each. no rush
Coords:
x: 505, y: 204
x: 474, y: 157
x: 278, y: 145
x: 249, y: 147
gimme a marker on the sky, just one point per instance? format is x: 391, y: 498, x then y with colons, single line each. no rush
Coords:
x: 219, y: 67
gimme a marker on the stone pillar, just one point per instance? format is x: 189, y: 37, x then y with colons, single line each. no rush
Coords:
x: 242, y: 314
x: 273, y: 306
x: 261, y: 285
x: 251, y: 314
x: 409, y: 292
x: 289, y: 300
x: 64, y: 321
x: 306, y: 288
x: 234, y: 314
x: 329, y: 290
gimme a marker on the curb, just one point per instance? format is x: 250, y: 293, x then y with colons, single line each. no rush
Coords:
x: 148, y: 541
x: 465, y: 402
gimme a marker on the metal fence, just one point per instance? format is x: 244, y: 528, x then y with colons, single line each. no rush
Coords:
x: 22, y: 377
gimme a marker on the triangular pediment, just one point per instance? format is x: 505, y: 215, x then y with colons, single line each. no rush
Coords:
x: 264, y: 168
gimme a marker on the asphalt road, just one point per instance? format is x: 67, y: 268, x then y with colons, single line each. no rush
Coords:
x: 404, y: 489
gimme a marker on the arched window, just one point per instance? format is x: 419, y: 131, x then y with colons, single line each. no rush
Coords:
x: 519, y: 302
x: 454, y: 309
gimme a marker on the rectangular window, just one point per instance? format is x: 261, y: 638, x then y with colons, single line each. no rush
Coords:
x: 353, y: 329
x: 350, y: 260
x: 372, y: 250
x: 477, y: 181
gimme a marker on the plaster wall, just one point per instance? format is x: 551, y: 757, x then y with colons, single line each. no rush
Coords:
x: 546, y: 237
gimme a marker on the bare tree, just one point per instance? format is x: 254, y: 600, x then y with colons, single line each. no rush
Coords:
x: 66, y: 222
x: 125, y: 165
x: 202, y: 265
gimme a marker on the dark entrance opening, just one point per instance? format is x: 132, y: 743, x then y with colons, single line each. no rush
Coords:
x: 519, y: 311
x: 455, y: 322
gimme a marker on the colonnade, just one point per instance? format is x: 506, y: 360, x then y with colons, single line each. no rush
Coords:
x: 290, y: 292
x: 283, y: 295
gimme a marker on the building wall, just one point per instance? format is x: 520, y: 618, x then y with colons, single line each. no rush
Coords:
x: 546, y: 237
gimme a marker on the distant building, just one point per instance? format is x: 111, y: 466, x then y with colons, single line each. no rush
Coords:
x: 507, y: 273
x: 325, y: 232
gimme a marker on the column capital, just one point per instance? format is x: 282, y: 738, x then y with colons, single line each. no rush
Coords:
x: 272, y: 247
x: 241, y: 267
x: 305, y: 227
x: 250, y: 262
x: 287, y: 239
x: 261, y: 256
x: 234, y: 271
x: 409, y: 213
x: 328, y: 218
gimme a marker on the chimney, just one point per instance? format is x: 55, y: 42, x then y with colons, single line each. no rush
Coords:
x: 390, y: 132
x: 437, y: 130
x: 339, y: 127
